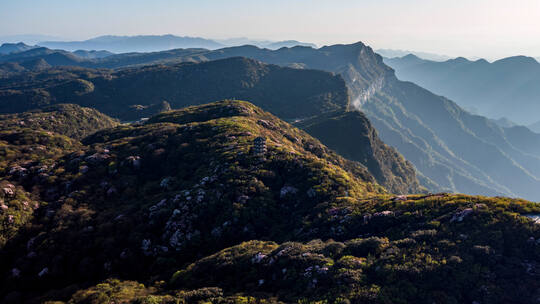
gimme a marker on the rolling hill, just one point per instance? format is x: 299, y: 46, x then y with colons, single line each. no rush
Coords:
x: 51, y: 57
x: 156, y: 43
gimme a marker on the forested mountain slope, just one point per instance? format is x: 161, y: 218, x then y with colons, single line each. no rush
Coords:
x: 183, y: 204
x: 184, y: 183
x: 288, y: 93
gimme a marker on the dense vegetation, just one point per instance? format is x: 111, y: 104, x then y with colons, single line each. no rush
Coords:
x: 65, y: 119
x: 449, y: 249
x: 419, y: 249
x: 30, y: 144
x: 182, y: 185
x: 180, y: 210
x: 302, y: 93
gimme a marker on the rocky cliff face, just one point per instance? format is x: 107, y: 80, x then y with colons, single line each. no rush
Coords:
x: 451, y: 148
x: 351, y: 135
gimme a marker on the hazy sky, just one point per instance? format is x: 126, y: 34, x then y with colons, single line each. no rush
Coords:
x: 486, y: 28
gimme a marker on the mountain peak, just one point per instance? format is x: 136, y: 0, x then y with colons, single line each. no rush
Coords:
x: 13, y: 44
x: 482, y: 61
x: 358, y: 44
x: 459, y: 60
x: 519, y: 60
x: 7, y: 48
x: 411, y: 57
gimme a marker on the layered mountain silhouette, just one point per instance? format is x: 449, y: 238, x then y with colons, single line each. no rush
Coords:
x: 51, y: 57
x: 273, y: 45
x: 126, y: 44
x: 286, y: 43
x: 153, y: 43
x: 31, y: 39
x: 8, y: 48
x: 451, y: 148
x: 504, y: 88
x: 393, y: 53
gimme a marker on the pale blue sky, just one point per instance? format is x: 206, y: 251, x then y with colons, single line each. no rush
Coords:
x: 487, y: 28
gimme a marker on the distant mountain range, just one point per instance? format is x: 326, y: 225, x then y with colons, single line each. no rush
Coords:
x: 153, y: 43
x: 391, y: 53
x: 23, y: 57
x: 31, y: 39
x: 268, y: 44
x: 126, y: 44
x: 8, y: 48
x: 505, y: 88
x: 49, y: 56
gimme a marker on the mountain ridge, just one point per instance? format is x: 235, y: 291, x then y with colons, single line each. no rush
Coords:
x: 303, y: 94
x: 7, y: 48
x: 491, y: 89
x: 153, y: 43
x: 141, y: 43
x: 382, y: 96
